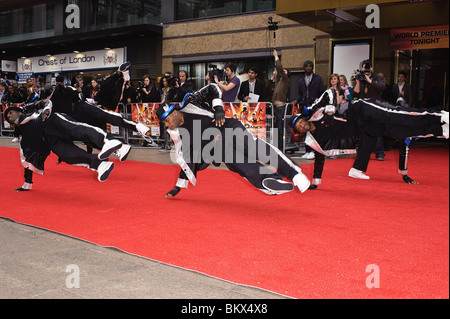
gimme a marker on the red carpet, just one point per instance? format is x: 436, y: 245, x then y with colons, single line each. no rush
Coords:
x: 312, y: 245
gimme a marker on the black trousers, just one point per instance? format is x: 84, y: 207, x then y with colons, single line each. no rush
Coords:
x: 96, y: 116
x: 252, y: 158
x: 111, y: 91
x: 375, y: 118
x: 61, y: 131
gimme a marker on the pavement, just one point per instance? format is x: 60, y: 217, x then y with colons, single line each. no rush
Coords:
x: 41, y: 264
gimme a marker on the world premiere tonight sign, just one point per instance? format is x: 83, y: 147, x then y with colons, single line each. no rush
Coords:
x: 430, y: 37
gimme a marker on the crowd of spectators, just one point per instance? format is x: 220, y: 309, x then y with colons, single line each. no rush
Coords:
x: 254, y: 88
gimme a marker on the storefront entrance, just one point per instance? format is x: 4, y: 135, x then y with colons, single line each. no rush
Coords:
x: 428, y: 72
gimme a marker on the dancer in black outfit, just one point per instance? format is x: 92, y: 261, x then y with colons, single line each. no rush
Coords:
x: 371, y: 117
x: 228, y: 140
x: 44, y: 131
x: 67, y: 100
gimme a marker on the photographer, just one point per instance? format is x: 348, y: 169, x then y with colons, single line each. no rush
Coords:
x: 368, y: 85
x: 177, y: 88
x: 230, y: 89
x: 148, y: 93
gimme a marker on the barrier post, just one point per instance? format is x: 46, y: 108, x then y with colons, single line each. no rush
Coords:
x: 291, y: 111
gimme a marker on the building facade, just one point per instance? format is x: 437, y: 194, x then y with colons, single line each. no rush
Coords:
x: 200, y: 35
x: 405, y: 35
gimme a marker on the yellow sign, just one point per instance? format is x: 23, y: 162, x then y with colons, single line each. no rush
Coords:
x: 434, y: 37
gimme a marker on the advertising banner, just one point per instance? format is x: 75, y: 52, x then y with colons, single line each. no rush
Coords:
x: 146, y: 113
x: 252, y: 115
x: 6, y: 125
x: 433, y: 37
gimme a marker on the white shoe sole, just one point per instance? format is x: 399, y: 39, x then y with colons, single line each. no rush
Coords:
x: 354, y: 173
x: 302, y: 182
x: 277, y: 186
x: 123, y: 152
x: 104, y: 170
x: 110, y: 147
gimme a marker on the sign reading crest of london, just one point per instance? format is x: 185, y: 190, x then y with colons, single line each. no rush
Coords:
x: 89, y: 60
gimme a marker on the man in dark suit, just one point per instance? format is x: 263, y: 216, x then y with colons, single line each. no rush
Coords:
x: 186, y: 85
x: 403, y: 89
x: 310, y: 88
x: 252, y: 85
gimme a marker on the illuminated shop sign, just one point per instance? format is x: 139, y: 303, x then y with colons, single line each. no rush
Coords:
x: 434, y: 37
x: 89, y: 60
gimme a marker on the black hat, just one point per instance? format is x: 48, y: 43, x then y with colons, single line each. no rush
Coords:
x: 304, y: 115
x: 308, y: 62
x: 164, y: 110
x: 12, y: 108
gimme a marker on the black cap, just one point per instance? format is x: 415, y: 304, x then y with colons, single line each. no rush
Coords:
x: 164, y: 110
x: 304, y: 115
x: 308, y: 62
x: 12, y: 108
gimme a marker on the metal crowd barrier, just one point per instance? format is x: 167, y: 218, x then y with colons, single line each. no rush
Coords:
x: 146, y: 113
x: 150, y: 110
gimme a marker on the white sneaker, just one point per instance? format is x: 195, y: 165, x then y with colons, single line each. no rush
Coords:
x: 355, y: 173
x: 15, y: 140
x: 302, y: 182
x: 110, y: 147
x: 104, y: 169
x: 144, y: 130
x: 311, y: 156
x: 445, y: 126
x: 308, y: 156
x: 122, y: 153
x: 445, y: 117
x: 445, y: 130
x: 277, y: 186
x: 125, y: 69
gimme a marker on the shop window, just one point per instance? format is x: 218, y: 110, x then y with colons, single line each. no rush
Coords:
x: 192, y: 9
x: 197, y: 71
x: 5, y: 23
x: 28, y: 20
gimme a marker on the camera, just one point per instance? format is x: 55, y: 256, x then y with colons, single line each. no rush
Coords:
x: 360, y: 74
x: 273, y: 25
x: 172, y: 81
x: 216, y: 72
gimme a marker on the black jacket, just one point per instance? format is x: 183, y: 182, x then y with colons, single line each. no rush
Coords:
x: 308, y: 94
x: 245, y: 90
